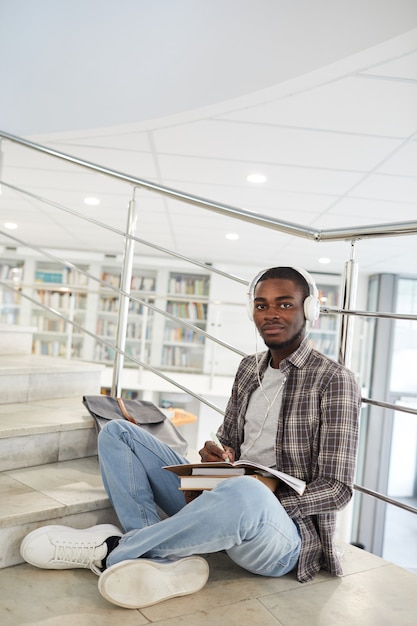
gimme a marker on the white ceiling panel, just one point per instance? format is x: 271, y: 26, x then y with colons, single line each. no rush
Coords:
x: 356, y: 104
x: 269, y: 144
x: 330, y: 122
x: 403, y: 162
x: 128, y: 140
x: 260, y: 199
x: 179, y: 172
x: 403, y: 67
x: 392, y: 188
x: 374, y: 210
x: 131, y: 162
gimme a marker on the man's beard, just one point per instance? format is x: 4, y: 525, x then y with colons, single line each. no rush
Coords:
x: 280, y: 345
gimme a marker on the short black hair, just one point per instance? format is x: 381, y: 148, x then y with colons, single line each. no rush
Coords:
x: 287, y: 273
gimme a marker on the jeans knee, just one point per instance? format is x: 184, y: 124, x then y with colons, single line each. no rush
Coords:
x: 112, y: 427
x: 123, y: 432
x: 248, y: 493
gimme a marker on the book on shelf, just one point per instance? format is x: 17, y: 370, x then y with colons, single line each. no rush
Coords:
x: 188, y: 285
x: 200, y: 476
x: 43, y: 276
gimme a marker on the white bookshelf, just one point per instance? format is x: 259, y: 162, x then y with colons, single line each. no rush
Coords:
x: 187, y: 299
x: 140, y: 320
x: 208, y: 301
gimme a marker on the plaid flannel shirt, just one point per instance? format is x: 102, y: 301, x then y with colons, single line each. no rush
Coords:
x: 317, y: 432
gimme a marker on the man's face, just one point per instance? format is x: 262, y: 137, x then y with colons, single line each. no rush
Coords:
x: 278, y: 313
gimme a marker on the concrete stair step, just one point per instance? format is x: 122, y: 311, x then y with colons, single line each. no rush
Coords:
x: 31, y: 378
x: 45, y: 431
x: 16, y: 340
x: 66, y: 492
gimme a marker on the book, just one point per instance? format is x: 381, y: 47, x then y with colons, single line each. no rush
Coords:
x: 200, y: 473
x: 201, y: 482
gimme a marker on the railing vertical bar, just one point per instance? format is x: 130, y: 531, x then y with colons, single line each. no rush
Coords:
x: 125, y: 284
x: 345, y: 517
x: 70, y: 328
x: 350, y: 284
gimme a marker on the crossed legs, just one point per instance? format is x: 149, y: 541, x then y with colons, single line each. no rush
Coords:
x: 241, y: 515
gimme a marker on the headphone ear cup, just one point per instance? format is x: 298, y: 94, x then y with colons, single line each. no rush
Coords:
x: 249, y: 308
x: 311, y: 308
x: 251, y: 293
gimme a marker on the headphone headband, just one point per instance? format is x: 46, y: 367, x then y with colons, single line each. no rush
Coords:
x: 311, y: 303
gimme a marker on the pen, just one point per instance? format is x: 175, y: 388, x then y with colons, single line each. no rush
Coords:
x: 215, y: 440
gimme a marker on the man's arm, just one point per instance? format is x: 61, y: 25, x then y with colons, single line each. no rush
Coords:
x: 332, y: 483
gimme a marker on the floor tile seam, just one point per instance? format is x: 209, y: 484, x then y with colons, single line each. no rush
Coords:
x: 370, y: 568
x: 230, y: 605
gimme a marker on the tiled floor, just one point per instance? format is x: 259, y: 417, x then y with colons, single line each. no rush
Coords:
x: 372, y: 592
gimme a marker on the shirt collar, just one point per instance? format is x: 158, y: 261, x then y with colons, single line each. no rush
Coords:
x: 298, y: 358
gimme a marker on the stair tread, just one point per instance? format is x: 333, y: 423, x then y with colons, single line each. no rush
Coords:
x: 49, y: 472
x: 66, y: 492
x: 51, y: 491
x: 41, y: 416
x: 29, y: 364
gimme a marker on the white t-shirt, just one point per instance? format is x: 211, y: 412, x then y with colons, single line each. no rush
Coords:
x: 261, y: 419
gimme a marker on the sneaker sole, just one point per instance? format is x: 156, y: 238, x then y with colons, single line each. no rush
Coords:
x: 138, y: 583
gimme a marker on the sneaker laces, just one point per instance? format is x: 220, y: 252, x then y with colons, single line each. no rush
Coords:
x: 80, y: 554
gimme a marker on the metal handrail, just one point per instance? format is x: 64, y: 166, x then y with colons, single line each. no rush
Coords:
x: 350, y: 233
x: 109, y: 344
x: 189, y: 391
x: 390, y: 405
x: 291, y: 228
x: 374, y: 314
x: 117, y: 291
x: 117, y: 231
x: 387, y: 499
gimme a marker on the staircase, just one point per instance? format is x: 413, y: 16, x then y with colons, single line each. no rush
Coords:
x: 48, y: 454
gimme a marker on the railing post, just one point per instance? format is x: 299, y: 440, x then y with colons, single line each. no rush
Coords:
x: 350, y: 282
x: 70, y: 329
x: 125, y: 285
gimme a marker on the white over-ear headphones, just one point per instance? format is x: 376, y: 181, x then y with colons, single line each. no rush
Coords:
x: 311, y: 303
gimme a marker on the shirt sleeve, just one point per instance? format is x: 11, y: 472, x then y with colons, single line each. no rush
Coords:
x: 331, y: 486
x: 228, y: 430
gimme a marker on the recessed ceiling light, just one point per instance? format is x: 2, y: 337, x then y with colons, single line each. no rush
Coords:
x: 232, y: 236
x: 10, y: 225
x: 92, y: 201
x: 256, y: 178
x: 325, y: 260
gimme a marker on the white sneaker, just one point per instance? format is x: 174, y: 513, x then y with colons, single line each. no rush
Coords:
x: 137, y: 583
x: 62, y: 547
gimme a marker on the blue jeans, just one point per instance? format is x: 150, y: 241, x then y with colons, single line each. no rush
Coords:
x: 241, y: 516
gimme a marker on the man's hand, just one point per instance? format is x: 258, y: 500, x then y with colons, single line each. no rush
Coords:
x: 191, y: 495
x: 213, y: 454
